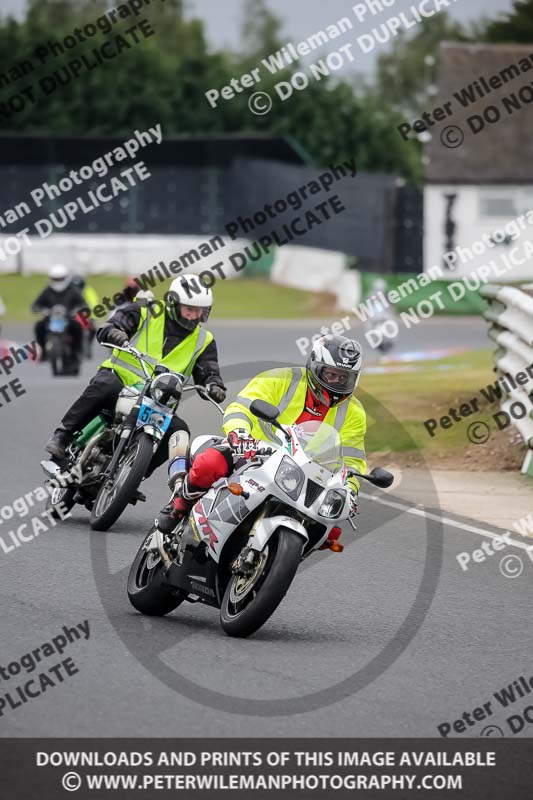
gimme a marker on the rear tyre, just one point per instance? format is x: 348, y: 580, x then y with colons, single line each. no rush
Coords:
x: 65, y: 497
x: 112, y: 500
x: 248, y: 603
x: 145, y: 590
x: 74, y: 366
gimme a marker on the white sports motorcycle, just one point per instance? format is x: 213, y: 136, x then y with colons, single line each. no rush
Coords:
x: 242, y: 543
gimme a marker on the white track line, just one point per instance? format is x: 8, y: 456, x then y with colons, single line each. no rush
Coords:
x: 420, y: 512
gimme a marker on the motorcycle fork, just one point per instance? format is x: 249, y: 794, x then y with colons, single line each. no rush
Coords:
x: 243, y: 557
x: 125, y: 438
x: 258, y: 519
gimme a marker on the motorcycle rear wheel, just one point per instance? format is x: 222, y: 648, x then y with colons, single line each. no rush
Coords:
x: 145, y: 592
x: 65, y: 496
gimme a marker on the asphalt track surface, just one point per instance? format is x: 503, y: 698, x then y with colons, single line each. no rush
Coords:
x: 389, y: 638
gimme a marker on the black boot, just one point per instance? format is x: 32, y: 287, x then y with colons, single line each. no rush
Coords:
x: 172, y: 513
x: 179, y: 506
x: 58, y: 443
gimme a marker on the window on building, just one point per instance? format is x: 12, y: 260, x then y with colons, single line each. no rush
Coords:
x: 498, y: 205
x: 507, y: 203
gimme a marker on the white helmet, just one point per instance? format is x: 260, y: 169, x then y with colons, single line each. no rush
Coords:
x: 188, y: 291
x: 59, y: 277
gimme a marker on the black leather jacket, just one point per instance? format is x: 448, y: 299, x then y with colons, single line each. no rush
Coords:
x: 70, y: 297
x: 206, y: 370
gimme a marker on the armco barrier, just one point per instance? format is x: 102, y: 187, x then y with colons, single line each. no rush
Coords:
x: 511, y: 313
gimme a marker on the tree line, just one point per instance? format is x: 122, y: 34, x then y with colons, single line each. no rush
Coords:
x: 167, y: 77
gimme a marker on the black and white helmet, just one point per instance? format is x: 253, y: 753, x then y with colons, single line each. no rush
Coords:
x: 333, y: 368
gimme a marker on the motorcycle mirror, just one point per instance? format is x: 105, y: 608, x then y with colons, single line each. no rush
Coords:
x: 382, y: 477
x: 264, y: 410
x: 379, y: 477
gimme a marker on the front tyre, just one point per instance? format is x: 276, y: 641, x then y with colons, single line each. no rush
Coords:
x: 116, y: 492
x: 249, y: 602
x: 145, y: 590
x: 56, y: 355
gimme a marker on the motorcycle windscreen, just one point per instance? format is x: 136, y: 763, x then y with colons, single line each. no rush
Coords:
x: 321, y: 443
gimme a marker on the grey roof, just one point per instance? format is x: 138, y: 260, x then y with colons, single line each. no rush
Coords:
x: 502, y: 152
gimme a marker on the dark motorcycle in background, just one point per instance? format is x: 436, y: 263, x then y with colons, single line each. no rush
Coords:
x: 61, y: 350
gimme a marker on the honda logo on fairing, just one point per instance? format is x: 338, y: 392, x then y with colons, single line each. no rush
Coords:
x: 204, y: 589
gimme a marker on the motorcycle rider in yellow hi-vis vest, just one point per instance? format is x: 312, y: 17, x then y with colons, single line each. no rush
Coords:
x: 321, y: 391
x: 171, y: 333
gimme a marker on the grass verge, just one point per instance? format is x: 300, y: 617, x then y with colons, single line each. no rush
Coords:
x: 246, y: 299
x: 399, y: 403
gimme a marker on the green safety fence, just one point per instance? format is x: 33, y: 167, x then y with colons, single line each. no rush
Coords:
x: 471, y: 303
x: 260, y: 268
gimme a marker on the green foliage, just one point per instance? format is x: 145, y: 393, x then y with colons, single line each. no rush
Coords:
x: 261, y: 30
x: 516, y: 26
x: 166, y: 77
x: 407, y: 73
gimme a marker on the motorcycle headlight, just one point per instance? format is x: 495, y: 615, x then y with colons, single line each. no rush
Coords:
x: 290, y: 478
x: 158, y: 420
x: 333, y: 504
x: 166, y: 387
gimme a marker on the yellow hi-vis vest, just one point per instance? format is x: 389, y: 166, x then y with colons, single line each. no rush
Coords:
x: 149, y: 339
x: 91, y: 297
x: 287, y: 389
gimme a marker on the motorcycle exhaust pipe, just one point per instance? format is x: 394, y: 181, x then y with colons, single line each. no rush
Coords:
x: 87, y: 449
x: 51, y: 469
x: 55, y: 477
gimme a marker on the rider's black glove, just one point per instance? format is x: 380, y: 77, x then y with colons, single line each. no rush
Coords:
x: 117, y: 337
x: 216, y: 392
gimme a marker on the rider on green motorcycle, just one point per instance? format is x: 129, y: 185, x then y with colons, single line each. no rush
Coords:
x: 174, y: 338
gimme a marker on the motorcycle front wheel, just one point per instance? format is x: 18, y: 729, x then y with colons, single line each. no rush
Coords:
x: 116, y: 492
x: 249, y: 602
x: 56, y: 355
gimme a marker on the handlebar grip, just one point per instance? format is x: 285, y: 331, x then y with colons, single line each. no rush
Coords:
x: 265, y: 451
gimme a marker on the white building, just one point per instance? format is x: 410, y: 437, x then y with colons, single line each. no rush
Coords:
x: 479, y: 160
